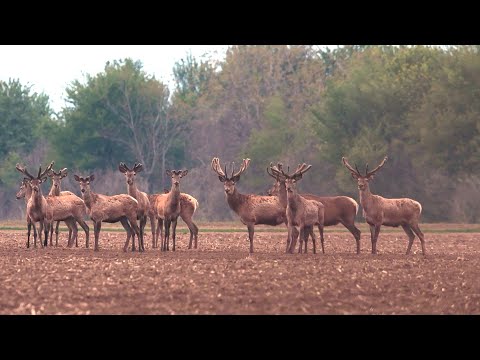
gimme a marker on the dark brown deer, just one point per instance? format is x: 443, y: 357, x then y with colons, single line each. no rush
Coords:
x: 300, y: 211
x: 38, y: 209
x: 25, y: 192
x: 380, y: 211
x: 56, y: 191
x: 142, y: 198
x: 188, y: 206
x: 171, y: 208
x: 252, y: 209
x: 338, y: 209
x: 111, y: 209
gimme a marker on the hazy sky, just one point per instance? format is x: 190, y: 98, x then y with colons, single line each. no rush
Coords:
x: 50, y: 68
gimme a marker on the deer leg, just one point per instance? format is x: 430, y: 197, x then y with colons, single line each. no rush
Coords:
x: 128, y: 229
x: 355, y: 232
x: 44, y: 226
x: 97, y: 226
x: 312, y: 234
x: 191, y: 228
x: 166, y: 236
x: 143, y: 223
x: 56, y: 234
x: 301, y: 239
x: 29, y: 228
x: 322, y: 239
x: 73, y: 229
x: 174, y: 228
x: 136, y: 230
x: 411, y: 236
x: 159, y: 233
x: 376, y: 232
x: 251, y: 231
x: 85, y: 227
x: 293, y: 241
x: 152, y: 228
x: 420, y: 235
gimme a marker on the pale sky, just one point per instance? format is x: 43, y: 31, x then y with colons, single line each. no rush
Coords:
x: 51, y: 68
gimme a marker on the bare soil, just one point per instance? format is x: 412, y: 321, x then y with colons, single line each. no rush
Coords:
x: 222, y: 278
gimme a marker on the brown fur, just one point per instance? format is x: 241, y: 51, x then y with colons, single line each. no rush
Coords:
x: 103, y: 208
x: 379, y: 211
x: 252, y: 209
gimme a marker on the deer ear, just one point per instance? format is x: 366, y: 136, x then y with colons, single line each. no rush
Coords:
x: 297, y: 177
x: 355, y: 176
x: 236, y: 178
x: 169, y: 173
x: 138, y: 168
x: 121, y: 168
x: 76, y: 177
x: 64, y: 172
x: 91, y: 177
x: 43, y: 179
x: 222, y: 178
x: 370, y: 177
x: 50, y: 173
x: 183, y: 173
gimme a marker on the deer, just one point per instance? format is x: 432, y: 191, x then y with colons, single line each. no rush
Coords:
x: 252, y: 209
x: 142, y: 198
x: 301, y: 212
x: 25, y: 192
x: 56, y: 191
x: 111, y: 209
x: 188, y: 206
x: 379, y: 211
x: 38, y: 209
x: 171, y: 208
x: 338, y: 209
x: 68, y: 208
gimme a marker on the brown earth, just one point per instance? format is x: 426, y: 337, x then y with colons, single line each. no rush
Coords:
x: 221, y: 278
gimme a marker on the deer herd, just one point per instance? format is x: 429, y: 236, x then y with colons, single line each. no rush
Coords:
x: 284, y: 204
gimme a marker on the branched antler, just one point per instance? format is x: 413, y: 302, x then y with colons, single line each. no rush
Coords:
x: 368, y: 174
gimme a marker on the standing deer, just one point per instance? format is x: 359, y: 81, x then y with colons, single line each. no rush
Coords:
x: 142, y: 198
x: 300, y: 211
x: 56, y: 191
x: 109, y: 209
x: 188, y: 206
x: 25, y: 192
x: 380, y: 211
x: 338, y: 209
x: 37, y: 206
x: 252, y: 209
x: 171, y: 208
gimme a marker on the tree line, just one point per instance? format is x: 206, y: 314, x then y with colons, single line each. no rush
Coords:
x: 417, y: 104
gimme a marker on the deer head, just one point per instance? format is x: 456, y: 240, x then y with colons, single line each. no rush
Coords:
x: 275, y: 172
x: 57, y: 177
x: 40, y: 178
x: 176, y: 175
x: 84, y: 182
x: 130, y: 174
x: 362, y: 180
x: 291, y: 179
x: 229, y: 182
x: 22, y: 192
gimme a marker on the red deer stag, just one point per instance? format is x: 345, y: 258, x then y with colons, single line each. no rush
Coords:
x: 171, y: 208
x: 300, y: 211
x: 142, y: 198
x: 38, y: 209
x: 111, y: 209
x: 338, y: 209
x: 380, y: 211
x: 76, y: 202
x: 252, y: 209
x: 25, y: 192
x: 188, y: 206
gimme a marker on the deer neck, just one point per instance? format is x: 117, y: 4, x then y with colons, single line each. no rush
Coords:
x: 132, y: 190
x: 293, y: 199
x: 282, y: 195
x: 366, y: 198
x: 173, y: 197
x: 89, y: 198
x: 28, y: 193
x: 37, y: 198
x: 235, y: 200
x: 54, y: 191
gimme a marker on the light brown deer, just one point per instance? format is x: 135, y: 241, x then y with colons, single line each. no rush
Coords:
x: 68, y: 208
x: 188, y: 206
x: 252, y: 209
x: 380, y: 211
x: 111, y: 209
x: 25, y: 192
x: 142, y: 198
x: 37, y: 206
x: 300, y: 211
x: 338, y: 209
x: 171, y: 208
x: 56, y: 191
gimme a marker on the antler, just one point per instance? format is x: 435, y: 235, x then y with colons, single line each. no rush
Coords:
x: 370, y: 173
x: 301, y: 169
x: 42, y: 173
x: 123, y: 167
x: 244, y: 167
x: 349, y: 167
x: 277, y: 171
x: 23, y: 170
x: 217, y: 168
